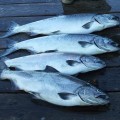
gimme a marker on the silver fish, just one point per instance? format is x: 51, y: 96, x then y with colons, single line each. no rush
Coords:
x: 71, y: 43
x: 72, y: 24
x: 56, y: 88
x: 57, y: 62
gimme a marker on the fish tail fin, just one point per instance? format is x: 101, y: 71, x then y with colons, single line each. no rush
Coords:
x: 3, y: 59
x: 7, y: 52
x: 11, y: 48
x: 11, y: 30
x: 3, y: 66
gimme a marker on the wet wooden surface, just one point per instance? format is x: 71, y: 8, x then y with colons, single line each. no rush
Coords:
x: 17, y: 105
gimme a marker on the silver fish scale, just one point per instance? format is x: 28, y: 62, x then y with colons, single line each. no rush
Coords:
x: 62, y: 83
x: 57, y: 81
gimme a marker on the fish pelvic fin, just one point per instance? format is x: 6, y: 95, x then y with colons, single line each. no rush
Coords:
x: 11, y: 30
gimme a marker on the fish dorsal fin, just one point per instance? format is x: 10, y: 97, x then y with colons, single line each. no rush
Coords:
x: 84, y: 43
x: 66, y: 96
x: 50, y: 69
x: 88, y: 25
x: 72, y: 62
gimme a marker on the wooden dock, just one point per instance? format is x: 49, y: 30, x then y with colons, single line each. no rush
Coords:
x: 17, y: 105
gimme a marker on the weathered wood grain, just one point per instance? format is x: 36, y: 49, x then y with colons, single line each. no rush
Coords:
x: 114, y: 5
x: 25, y: 9
x: 90, y: 6
x: 27, y: 1
x: 106, y: 79
x: 20, y: 107
x: 98, y: 6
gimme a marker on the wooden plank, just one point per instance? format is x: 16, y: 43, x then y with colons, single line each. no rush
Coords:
x: 106, y: 79
x: 109, y: 79
x: 20, y: 107
x: 25, y: 9
x: 27, y: 1
x: 90, y: 6
x: 97, y: 6
x: 111, y: 59
x: 115, y: 5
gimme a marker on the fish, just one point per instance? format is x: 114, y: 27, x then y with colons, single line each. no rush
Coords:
x: 88, y: 44
x: 65, y: 63
x: 55, y: 88
x: 65, y: 24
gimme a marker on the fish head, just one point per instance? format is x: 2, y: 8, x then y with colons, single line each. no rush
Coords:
x: 106, y: 44
x: 92, y: 62
x: 107, y: 20
x: 92, y: 96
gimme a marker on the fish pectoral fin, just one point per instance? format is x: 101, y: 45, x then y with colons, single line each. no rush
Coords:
x: 88, y: 25
x: 50, y: 69
x: 66, y: 96
x: 72, y: 62
x: 84, y: 43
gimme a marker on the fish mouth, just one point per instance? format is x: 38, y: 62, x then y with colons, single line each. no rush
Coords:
x: 102, y: 100
x: 92, y: 96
